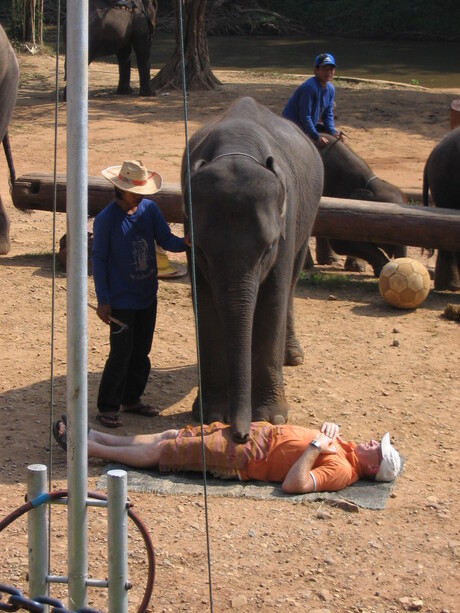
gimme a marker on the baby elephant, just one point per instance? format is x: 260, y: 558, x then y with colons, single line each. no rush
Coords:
x: 442, y: 177
x: 256, y: 182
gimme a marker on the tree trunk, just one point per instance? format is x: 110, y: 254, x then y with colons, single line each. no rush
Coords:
x: 198, y: 73
x: 29, y: 21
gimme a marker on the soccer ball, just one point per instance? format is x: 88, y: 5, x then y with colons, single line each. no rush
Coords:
x: 404, y: 283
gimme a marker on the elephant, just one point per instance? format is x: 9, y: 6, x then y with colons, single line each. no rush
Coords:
x: 255, y: 186
x: 441, y: 176
x: 9, y: 78
x: 346, y: 175
x: 116, y: 27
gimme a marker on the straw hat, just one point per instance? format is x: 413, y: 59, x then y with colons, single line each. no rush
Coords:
x: 132, y: 176
x: 165, y: 270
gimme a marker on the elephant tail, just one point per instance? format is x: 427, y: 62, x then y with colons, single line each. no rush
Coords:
x: 9, y: 158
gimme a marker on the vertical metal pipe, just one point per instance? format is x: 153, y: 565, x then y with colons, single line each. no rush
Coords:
x: 117, y: 520
x: 77, y: 267
x: 37, y: 532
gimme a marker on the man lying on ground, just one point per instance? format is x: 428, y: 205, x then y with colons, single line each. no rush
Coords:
x: 303, y: 460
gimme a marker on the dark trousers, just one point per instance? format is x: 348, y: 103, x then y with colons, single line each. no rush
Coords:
x: 128, y: 366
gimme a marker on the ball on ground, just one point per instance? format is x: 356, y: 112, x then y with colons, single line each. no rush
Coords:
x: 404, y: 283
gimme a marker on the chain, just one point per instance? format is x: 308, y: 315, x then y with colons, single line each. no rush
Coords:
x: 17, y: 601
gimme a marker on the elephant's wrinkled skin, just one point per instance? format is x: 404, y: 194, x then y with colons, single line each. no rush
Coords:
x: 119, y: 27
x: 441, y: 176
x: 346, y: 175
x: 256, y: 182
x: 9, y: 78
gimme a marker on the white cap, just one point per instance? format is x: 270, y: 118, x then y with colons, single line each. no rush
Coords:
x: 391, y: 461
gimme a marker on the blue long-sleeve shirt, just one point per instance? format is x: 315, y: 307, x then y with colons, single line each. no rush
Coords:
x: 124, y: 257
x: 308, y: 104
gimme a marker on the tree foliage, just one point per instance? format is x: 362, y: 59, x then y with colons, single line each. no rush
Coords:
x: 27, y: 21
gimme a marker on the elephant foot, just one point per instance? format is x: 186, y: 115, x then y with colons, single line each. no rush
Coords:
x: 4, y: 247
x: 448, y: 287
x: 146, y: 92
x: 276, y: 414
x: 354, y: 265
x: 212, y: 412
x: 293, y: 355
x: 324, y: 252
x: 124, y: 91
x: 330, y: 259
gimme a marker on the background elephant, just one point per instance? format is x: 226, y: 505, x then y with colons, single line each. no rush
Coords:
x: 9, y: 78
x: 346, y: 175
x: 256, y: 182
x: 116, y: 27
x: 442, y: 177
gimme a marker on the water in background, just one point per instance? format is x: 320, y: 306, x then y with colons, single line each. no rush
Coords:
x: 431, y: 64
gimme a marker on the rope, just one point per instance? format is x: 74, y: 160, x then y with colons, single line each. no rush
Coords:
x: 223, y: 155
x: 194, y: 297
x: 369, y: 181
x: 53, y: 283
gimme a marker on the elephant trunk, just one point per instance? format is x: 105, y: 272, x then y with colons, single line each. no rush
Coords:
x: 237, y: 310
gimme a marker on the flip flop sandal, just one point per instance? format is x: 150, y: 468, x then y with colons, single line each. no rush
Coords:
x: 108, y: 421
x: 147, y: 410
x: 61, y: 439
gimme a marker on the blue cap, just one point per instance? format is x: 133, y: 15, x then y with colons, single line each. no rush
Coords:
x: 324, y: 59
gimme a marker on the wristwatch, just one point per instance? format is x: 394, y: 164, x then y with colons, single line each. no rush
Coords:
x: 316, y: 445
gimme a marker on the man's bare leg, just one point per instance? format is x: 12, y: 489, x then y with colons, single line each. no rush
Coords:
x: 113, y: 440
x: 138, y: 456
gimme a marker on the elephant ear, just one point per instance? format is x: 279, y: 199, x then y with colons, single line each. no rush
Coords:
x: 276, y: 170
x: 150, y: 8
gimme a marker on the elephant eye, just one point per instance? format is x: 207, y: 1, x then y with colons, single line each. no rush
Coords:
x: 268, y: 251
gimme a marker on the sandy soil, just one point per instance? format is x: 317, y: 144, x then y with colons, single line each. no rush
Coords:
x: 264, y: 555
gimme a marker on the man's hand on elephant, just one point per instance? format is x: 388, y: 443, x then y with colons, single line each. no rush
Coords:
x: 339, y: 135
x: 322, y: 142
x: 330, y: 429
x: 103, y: 312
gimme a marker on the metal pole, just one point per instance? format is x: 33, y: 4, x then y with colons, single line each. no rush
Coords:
x: 77, y: 213
x: 117, y: 520
x: 37, y: 532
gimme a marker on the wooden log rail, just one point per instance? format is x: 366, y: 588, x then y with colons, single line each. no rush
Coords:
x: 375, y: 222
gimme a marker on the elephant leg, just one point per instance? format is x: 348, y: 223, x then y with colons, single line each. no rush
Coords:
x: 267, y: 398
x: 394, y: 251
x: 124, y: 71
x: 324, y: 252
x: 309, y: 263
x: 354, y: 264
x: 447, y: 270
x: 4, y: 230
x: 293, y: 352
x: 365, y: 251
x: 142, y: 51
x: 213, y: 390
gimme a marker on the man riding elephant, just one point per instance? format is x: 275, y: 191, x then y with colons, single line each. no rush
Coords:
x: 118, y: 27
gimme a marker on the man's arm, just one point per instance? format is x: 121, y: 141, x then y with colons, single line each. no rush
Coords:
x: 299, y: 479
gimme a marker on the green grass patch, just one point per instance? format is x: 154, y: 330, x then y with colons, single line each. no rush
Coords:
x: 322, y: 280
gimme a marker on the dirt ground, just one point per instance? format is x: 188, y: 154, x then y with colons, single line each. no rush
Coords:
x: 264, y: 555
